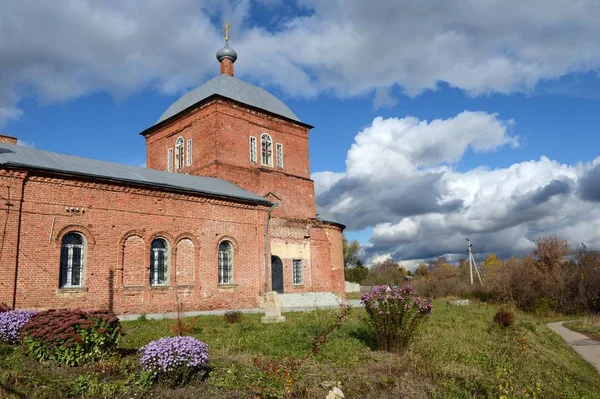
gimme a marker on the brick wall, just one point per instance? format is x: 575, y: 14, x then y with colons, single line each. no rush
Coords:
x: 119, y: 223
x: 220, y: 131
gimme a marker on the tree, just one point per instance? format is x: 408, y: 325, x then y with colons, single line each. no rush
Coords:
x: 356, y: 274
x: 422, y: 270
x: 550, y: 252
x: 387, y: 272
x: 491, y: 261
x: 351, y: 251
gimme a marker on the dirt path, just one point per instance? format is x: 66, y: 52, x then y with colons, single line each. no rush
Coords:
x: 585, y: 346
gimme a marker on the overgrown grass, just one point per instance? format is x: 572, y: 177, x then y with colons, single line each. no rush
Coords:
x: 589, y: 325
x: 459, y: 354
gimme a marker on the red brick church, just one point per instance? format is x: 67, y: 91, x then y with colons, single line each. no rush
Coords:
x: 224, y: 212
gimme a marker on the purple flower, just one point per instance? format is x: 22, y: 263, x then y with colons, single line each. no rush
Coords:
x: 11, y: 323
x: 170, y: 353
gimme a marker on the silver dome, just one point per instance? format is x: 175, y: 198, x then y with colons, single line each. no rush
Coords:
x: 235, y: 89
x: 226, y: 52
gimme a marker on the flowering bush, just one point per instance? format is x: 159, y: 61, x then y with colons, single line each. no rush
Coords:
x: 395, y: 315
x: 174, y: 360
x: 11, y: 322
x: 71, y: 337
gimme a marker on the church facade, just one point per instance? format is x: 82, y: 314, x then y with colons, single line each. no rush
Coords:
x: 224, y: 212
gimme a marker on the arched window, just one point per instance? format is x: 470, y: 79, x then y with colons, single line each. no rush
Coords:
x: 225, y: 263
x: 266, y: 145
x: 72, y: 260
x: 179, y: 153
x: 159, y: 262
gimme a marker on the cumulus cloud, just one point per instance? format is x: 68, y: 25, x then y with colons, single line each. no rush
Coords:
x: 400, y: 181
x: 60, y: 50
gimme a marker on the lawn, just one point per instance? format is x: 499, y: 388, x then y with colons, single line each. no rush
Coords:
x: 459, y: 354
x: 589, y: 325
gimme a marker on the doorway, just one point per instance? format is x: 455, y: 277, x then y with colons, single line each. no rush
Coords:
x: 276, y: 274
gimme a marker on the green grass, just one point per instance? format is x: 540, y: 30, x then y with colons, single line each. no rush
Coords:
x: 460, y: 353
x: 589, y: 325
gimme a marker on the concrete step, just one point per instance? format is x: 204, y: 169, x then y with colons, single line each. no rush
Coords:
x: 309, y: 300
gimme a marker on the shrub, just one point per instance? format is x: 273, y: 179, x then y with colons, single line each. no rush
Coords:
x: 11, y: 323
x: 174, y: 360
x: 71, y: 337
x: 4, y: 307
x: 233, y: 316
x: 505, y: 318
x: 395, y: 315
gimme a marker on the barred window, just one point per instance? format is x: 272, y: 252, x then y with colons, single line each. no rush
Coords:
x: 225, y: 263
x: 179, y: 153
x: 189, y: 152
x: 159, y: 262
x: 266, y: 145
x: 72, y: 260
x: 253, y: 149
x: 297, y: 277
x: 280, y: 156
x: 170, y: 160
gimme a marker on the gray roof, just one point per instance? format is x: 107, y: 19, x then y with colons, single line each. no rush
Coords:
x: 31, y: 158
x: 325, y: 216
x: 235, y: 89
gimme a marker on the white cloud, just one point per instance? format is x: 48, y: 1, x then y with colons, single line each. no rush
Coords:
x: 384, y: 99
x: 61, y: 50
x: 400, y: 181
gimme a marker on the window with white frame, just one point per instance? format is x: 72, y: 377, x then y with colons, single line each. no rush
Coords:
x: 170, y: 160
x: 266, y: 145
x: 225, y: 263
x: 253, y: 150
x: 179, y: 153
x: 72, y: 260
x: 297, y: 277
x: 280, y: 155
x: 159, y: 262
x: 189, y: 153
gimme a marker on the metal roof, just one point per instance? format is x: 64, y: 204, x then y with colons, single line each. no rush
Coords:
x: 235, y: 89
x: 31, y: 158
x: 325, y: 216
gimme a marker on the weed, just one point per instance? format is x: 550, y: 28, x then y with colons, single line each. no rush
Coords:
x: 233, y: 316
x: 505, y: 318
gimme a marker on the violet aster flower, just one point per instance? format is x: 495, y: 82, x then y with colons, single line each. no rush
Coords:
x: 171, y: 353
x: 11, y: 323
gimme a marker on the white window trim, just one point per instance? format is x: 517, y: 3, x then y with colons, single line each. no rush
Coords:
x: 69, y: 275
x: 167, y: 251
x: 253, y: 150
x: 279, y: 151
x: 270, y: 159
x: 301, y: 282
x: 189, y: 153
x: 232, y: 261
x: 179, y: 154
x: 170, y: 160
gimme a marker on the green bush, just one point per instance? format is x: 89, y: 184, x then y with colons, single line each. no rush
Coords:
x: 71, y: 337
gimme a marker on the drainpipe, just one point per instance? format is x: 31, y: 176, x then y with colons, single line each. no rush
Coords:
x: 267, y: 246
x: 14, y: 301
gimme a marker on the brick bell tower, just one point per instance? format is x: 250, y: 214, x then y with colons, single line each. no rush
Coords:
x: 230, y: 129
x: 233, y: 130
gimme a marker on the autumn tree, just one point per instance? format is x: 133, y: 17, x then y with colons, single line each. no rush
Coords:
x: 422, y: 270
x: 491, y: 261
x: 351, y: 251
x: 387, y: 272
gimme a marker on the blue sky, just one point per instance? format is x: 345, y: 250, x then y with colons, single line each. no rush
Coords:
x: 467, y: 119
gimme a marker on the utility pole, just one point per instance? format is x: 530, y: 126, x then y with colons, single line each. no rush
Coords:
x: 473, y: 264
